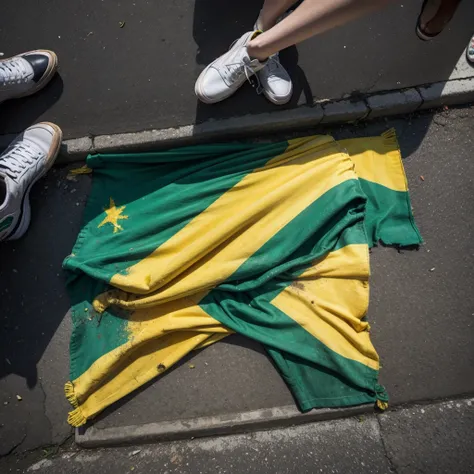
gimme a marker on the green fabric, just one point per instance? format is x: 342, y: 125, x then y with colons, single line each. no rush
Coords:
x: 336, y: 212
x: 93, y: 334
x: 243, y: 303
x: 163, y: 192
x: 389, y: 217
x: 170, y: 181
x: 173, y: 188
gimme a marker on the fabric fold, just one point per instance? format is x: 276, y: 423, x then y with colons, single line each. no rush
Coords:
x: 181, y: 248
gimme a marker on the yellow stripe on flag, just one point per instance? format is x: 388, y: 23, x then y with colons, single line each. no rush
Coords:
x: 329, y: 301
x: 158, y: 338
x: 219, y: 240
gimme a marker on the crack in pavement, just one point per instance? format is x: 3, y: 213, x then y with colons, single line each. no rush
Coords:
x: 393, y: 467
x: 13, y: 448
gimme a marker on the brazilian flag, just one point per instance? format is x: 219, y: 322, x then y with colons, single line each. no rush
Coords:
x: 182, y: 248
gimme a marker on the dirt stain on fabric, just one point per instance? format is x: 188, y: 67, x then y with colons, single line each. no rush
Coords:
x: 298, y: 285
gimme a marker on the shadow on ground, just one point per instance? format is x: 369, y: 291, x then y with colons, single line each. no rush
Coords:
x: 33, y: 294
x: 20, y: 114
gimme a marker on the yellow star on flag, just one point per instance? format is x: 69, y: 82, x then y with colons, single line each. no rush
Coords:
x: 114, y: 214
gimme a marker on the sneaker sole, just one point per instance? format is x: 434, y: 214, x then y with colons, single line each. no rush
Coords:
x: 50, y: 159
x: 274, y: 100
x: 48, y: 75
x: 422, y: 36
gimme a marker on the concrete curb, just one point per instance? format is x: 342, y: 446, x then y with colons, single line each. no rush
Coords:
x: 371, y: 106
x: 264, y: 419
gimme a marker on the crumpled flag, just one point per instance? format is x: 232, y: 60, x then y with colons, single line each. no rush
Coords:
x: 181, y: 248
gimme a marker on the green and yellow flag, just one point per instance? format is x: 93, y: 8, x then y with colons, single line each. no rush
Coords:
x: 181, y: 248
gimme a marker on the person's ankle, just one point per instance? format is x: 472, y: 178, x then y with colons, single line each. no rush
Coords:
x: 256, y: 51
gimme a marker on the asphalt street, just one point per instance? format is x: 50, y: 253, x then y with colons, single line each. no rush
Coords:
x: 421, y: 308
x: 427, y: 439
x: 141, y: 76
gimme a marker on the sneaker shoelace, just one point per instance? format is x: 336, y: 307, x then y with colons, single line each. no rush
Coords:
x: 13, y: 71
x: 20, y: 157
x: 273, y: 64
x: 233, y: 71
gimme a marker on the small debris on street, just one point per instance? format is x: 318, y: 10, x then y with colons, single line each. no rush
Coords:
x: 121, y: 24
x: 19, y: 398
x: 432, y: 269
x: 422, y: 177
x: 134, y: 453
x: 192, y: 366
x: 82, y: 170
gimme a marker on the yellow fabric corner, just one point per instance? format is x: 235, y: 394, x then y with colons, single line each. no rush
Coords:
x: 158, y: 338
x: 382, y: 405
x: 377, y: 159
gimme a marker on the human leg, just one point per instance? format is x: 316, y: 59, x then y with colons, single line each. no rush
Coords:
x: 271, y: 11
x: 309, y: 19
x: 251, y: 53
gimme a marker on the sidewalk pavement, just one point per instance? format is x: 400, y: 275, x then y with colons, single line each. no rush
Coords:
x: 421, y: 309
x: 141, y: 76
x: 435, y: 438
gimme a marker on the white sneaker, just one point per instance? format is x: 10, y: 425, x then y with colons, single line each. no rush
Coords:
x: 226, y: 74
x: 275, y: 81
x: 25, y: 161
x: 26, y: 73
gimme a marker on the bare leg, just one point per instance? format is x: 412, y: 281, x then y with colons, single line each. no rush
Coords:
x: 271, y: 11
x: 311, y: 18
